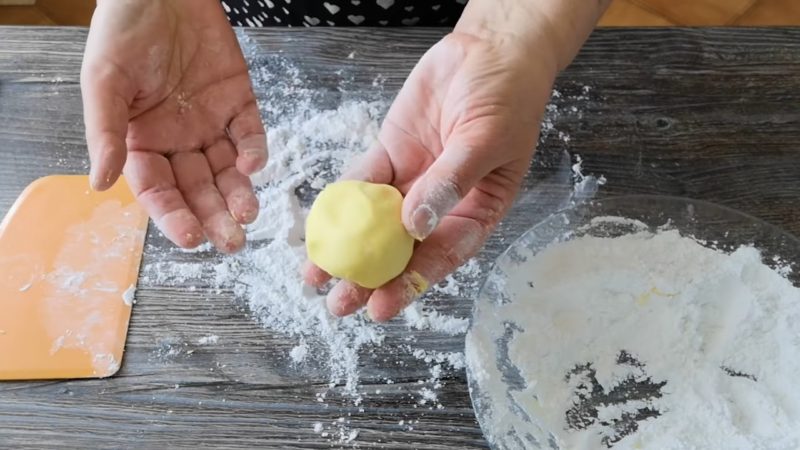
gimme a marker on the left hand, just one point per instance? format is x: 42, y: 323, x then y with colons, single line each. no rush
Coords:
x: 457, y: 142
x: 167, y: 96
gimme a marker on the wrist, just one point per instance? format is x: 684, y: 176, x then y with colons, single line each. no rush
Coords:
x: 553, y: 28
x: 176, y: 5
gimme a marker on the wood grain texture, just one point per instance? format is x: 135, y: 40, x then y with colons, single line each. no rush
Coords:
x: 711, y: 114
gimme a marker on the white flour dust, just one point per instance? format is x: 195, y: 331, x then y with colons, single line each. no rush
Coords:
x: 309, y: 145
x: 644, y: 341
x: 308, y: 148
x: 307, y: 151
x: 208, y: 340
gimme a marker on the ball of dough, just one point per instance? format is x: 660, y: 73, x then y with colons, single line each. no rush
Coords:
x: 354, y: 232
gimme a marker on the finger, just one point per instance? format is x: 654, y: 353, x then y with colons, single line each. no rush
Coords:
x: 455, y: 241
x: 442, y: 187
x: 346, y: 298
x: 196, y: 183
x: 247, y: 134
x: 235, y: 187
x: 314, y: 276
x: 149, y: 176
x: 458, y: 237
x: 373, y: 166
x: 105, y: 115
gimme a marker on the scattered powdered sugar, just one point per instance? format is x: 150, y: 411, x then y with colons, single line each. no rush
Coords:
x: 167, y: 272
x: 416, y: 318
x: 129, y: 295
x: 309, y: 146
x: 208, y: 340
x: 586, y: 186
x: 640, y: 341
x: 339, y: 430
x: 453, y: 359
x: 298, y: 353
x: 420, y: 316
x: 307, y: 150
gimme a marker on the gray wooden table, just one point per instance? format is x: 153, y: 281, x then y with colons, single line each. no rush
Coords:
x: 712, y: 114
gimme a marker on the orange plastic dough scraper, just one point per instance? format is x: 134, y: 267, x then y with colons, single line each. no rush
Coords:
x: 69, y: 258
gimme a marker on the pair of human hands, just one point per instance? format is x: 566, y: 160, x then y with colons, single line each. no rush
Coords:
x: 168, y: 101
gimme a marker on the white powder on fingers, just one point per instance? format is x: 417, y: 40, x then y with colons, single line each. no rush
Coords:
x: 645, y: 341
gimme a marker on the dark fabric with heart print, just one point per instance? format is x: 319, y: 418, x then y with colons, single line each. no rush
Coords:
x: 373, y: 13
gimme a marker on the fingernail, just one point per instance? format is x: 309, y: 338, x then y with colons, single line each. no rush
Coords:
x: 416, y: 285
x: 93, y: 181
x: 424, y: 220
x: 253, y: 153
x: 439, y: 199
x: 241, y: 212
x: 231, y: 236
x: 343, y: 299
x: 249, y: 216
x: 253, y: 159
x: 99, y: 183
x: 191, y: 240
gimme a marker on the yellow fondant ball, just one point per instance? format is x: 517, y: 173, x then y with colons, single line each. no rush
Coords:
x: 354, y: 232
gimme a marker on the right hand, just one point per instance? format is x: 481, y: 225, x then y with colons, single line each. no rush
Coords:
x: 457, y: 142
x: 167, y: 96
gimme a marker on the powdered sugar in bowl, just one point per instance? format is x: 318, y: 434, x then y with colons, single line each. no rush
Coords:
x: 640, y: 322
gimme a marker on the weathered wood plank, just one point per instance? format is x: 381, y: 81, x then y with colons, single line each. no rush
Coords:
x: 706, y: 113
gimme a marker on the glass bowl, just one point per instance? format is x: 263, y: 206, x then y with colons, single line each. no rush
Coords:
x: 505, y: 423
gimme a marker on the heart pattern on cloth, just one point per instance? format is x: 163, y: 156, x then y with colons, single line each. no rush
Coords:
x: 356, y: 19
x: 342, y: 12
x: 333, y: 9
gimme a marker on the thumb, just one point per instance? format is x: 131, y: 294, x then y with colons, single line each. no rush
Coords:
x: 442, y: 187
x: 106, y: 118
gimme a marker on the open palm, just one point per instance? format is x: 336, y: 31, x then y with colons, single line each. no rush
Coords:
x: 457, y: 142
x: 167, y: 96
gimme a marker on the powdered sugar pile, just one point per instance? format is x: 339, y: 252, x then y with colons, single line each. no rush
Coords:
x: 648, y: 340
